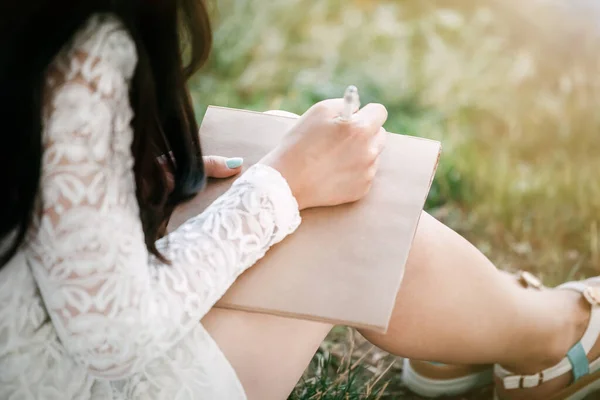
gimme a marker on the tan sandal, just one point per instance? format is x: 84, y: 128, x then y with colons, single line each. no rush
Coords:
x: 585, y: 375
x: 430, y: 379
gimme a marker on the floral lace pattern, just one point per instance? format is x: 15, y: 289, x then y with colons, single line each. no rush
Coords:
x: 85, y: 311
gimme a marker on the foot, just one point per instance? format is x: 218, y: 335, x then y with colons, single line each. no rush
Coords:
x: 429, y: 379
x: 575, y: 376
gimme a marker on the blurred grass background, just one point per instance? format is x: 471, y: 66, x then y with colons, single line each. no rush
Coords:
x: 510, y: 89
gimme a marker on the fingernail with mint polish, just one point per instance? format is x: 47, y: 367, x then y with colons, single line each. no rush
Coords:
x: 233, y: 163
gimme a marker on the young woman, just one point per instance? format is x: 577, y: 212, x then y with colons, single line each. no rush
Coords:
x: 97, y: 303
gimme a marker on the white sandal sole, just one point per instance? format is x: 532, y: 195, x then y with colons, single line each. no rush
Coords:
x: 432, y: 388
x: 579, y: 395
x: 586, y: 391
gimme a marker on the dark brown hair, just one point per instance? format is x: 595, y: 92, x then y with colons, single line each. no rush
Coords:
x: 164, y: 31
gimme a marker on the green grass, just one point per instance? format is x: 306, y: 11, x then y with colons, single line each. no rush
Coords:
x: 512, y: 98
x: 346, y: 372
x: 332, y: 380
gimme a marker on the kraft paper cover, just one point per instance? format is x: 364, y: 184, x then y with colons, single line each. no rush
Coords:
x: 344, y: 264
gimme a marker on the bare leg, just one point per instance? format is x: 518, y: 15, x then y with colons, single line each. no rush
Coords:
x: 454, y: 307
x: 268, y: 353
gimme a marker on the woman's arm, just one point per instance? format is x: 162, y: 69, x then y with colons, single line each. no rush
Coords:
x: 115, y: 306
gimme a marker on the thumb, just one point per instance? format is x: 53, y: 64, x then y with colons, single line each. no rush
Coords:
x: 222, y: 167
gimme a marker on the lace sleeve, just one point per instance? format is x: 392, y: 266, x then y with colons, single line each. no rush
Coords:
x: 114, y: 306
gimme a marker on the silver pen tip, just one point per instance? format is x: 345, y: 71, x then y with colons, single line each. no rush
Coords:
x: 351, y: 102
x: 351, y: 91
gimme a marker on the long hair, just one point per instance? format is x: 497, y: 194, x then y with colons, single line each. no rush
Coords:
x: 173, y: 39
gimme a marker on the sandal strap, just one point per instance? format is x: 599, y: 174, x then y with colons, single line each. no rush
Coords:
x: 576, y: 360
x: 511, y: 381
x: 592, y: 295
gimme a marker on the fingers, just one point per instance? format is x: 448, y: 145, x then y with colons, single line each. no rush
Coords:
x: 222, y: 167
x: 373, y: 115
x: 379, y: 140
x: 332, y: 108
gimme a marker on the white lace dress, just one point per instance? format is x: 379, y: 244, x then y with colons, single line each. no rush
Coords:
x: 85, y: 311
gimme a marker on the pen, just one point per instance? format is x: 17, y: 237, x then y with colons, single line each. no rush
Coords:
x: 351, y: 103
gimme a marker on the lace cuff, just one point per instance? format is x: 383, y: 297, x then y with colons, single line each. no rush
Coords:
x: 286, y: 211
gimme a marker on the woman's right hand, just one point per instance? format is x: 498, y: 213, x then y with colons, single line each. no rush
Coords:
x: 327, y: 161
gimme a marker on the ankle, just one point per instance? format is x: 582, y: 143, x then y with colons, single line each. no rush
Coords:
x: 567, y: 324
x: 575, y: 313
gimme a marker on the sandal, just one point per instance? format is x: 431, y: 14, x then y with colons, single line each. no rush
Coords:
x: 430, y: 379
x: 585, y: 376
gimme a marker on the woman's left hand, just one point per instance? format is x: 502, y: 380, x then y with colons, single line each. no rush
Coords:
x: 214, y: 167
x: 222, y: 167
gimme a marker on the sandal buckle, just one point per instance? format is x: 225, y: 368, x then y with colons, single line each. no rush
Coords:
x: 592, y: 295
x: 527, y: 279
x: 532, y: 381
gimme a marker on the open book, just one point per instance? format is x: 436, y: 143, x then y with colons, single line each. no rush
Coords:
x: 344, y: 264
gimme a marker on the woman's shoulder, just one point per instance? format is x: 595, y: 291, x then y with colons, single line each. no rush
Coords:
x: 104, y: 38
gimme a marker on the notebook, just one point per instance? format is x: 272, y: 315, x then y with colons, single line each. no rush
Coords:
x: 344, y: 264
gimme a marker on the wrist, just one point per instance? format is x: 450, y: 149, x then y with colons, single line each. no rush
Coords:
x: 278, y: 163
x: 273, y: 188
